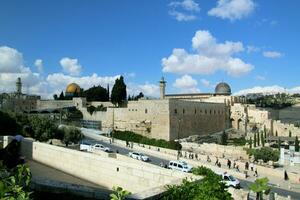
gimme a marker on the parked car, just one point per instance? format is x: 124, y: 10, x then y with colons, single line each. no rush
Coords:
x: 229, y: 180
x: 139, y: 156
x: 85, y: 147
x: 101, y: 147
x: 180, y: 166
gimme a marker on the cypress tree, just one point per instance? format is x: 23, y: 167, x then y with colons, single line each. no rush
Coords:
x: 262, y: 139
x: 254, y: 140
x: 276, y: 134
x: 296, y: 144
x: 250, y: 142
x: 279, y: 144
x: 258, y: 139
x: 118, y: 93
x: 290, y: 133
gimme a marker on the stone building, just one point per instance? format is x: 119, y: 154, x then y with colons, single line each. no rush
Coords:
x: 167, y: 119
x: 17, y: 101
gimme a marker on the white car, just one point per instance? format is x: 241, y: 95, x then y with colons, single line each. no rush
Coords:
x: 85, y: 147
x: 180, y: 166
x: 139, y: 156
x: 229, y: 180
x: 101, y: 147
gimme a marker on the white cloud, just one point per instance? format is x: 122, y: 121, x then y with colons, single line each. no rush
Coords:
x: 252, y: 49
x: 272, y: 54
x: 267, y: 90
x: 208, y: 58
x: 179, y: 16
x: 11, y: 61
x: 232, y: 9
x: 39, y: 65
x: 149, y: 89
x: 186, y: 84
x: 261, y: 78
x: 188, y: 5
x: 130, y: 75
x: 71, y: 66
x: 205, y: 82
x: 183, y: 10
x: 57, y: 82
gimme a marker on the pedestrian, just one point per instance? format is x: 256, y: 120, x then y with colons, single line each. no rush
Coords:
x: 229, y: 163
x: 185, y: 154
x: 217, y: 161
x: 117, y: 151
x: 196, y: 156
x: 246, y: 166
x: 219, y: 164
x: 162, y: 164
x: 237, y: 168
x: 234, y: 164
x: 286, y: 177
x: 246, y: 174
x: 255, y: 173
x: 208, y: 159
x: 251, y: 166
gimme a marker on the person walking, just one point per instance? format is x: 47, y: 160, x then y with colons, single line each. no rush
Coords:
x: 229, y: 163
x: 286, y: 177
x: 246, y: 166
x: 251, y: 166
x: 255, y: 173
x: 217, y: 161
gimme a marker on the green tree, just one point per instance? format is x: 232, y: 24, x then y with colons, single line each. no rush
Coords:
x: 254, y: 140
x: 279, y: 143
x: 276, y: 133
x: 119, y: 193
x: 118, y: 93
x: 91, y: 109
x: 250, y: 143
x: 290, y: 133
x: 71, y: 134
x: 262, y: 139
x: 61, y: 96
x: 296, y: 144
x: 96, y: 93
x: 55, y: 97
x: 258, y: 139
x: 259, y: 186
x: 224, y: 138
x: 15, y: 183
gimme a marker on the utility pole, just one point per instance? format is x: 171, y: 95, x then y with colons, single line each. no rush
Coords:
x: 113, y: 124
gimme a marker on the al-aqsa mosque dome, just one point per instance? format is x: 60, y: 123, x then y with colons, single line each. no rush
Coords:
x: 223, y: 89
x: 72, y: 89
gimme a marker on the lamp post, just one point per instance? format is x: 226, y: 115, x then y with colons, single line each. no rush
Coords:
x: 178, y: 151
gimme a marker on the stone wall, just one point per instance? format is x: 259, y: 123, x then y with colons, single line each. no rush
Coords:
x: 159, y: 118
x: 262, y: 118
x: 104, y: 169
x: 196, y: 118
x: 53, y: 104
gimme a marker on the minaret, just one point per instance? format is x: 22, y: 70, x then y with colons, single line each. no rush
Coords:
x: 162, y: 86
x: 19, y: 86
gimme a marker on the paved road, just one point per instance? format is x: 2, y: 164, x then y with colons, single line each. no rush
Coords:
x: 156, y: 161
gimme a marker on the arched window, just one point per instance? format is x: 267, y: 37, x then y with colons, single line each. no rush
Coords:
x: 146, y: 111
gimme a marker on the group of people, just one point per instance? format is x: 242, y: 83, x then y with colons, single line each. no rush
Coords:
x: 252, y: 168
x: 191, y: 155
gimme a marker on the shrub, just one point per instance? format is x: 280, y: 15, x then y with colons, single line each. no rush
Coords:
x: 209, y: 188
x: 133, y: 137
x: 265, y: 153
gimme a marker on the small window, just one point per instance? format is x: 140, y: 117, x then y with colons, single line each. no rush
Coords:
x: 146, y: 111
x: 179, y: 166
x: 195, y: 111
x: 183, y: 111
x: 175, y: 164
x: 209, y: 111
x: 175, y: 111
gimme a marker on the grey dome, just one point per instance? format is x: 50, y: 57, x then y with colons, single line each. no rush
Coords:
x: 223, y: 88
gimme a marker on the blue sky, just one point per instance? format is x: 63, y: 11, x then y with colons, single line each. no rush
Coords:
x: 52, y: 43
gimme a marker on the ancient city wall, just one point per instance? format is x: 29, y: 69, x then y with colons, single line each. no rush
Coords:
x: 103, y: 169
x: 53, y: 104
x: 196, y: 118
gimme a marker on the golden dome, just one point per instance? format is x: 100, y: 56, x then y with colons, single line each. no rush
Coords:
x: 72, y: 88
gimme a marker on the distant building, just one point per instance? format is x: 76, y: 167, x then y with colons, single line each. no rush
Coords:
x: 17, y: 101
x: 72, y: 90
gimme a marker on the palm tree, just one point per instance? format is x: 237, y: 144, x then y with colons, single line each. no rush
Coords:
x: 259, y: 186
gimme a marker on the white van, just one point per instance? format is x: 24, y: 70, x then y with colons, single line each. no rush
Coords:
x: 229, y: 180
x: 180, y: 166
